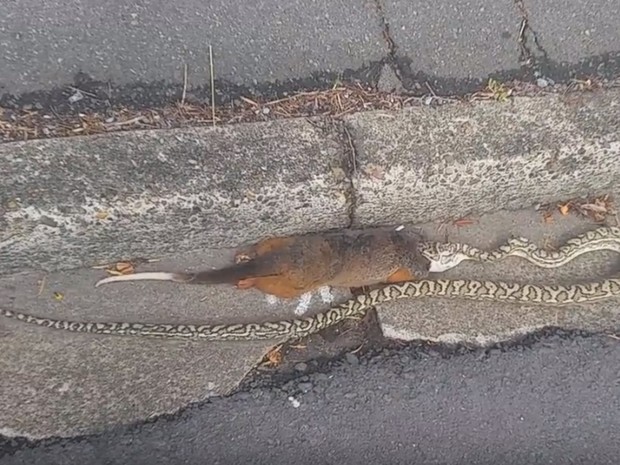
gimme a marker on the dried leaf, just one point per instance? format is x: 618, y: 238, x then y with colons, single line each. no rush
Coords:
x: 594, y: 207
x: 125, y: 267
x: 500, y: 91
x: 564, y: 208
x: 274, y: 357
x: 121, y: 268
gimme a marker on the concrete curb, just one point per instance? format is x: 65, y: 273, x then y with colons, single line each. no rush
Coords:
x: 424, y: 164
x: 67, y: 203
x: 173, y: 191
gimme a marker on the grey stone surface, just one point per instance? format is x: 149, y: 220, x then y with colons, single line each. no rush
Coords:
x: 67, y: 384
x: 458, y: 320
x: 570, y: 32
x: 45, y: 45
x: 427, y: 163
x: 455, y: 40
x: 176, y: 193
x: 166, y: 192
x: 57, y: 383
x: 388, y: 81
x: 548, y: 403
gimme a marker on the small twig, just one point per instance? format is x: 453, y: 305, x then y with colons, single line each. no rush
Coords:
x: 521, y: 37
x: 184, y: 84
x: 212, y: 84
x: 42, y: 286
x: 444, y: 228
x: 548, y: 243
x: 137, y: 119
x: 430, y: 89
x: 358, y: 349
x: 285, y: 99
x: 89, y: 94
x: 247, y: 100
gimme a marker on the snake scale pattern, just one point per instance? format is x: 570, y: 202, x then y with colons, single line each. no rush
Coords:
x: 444, y: 256
x: 498, y: 291
x: 356, y: 307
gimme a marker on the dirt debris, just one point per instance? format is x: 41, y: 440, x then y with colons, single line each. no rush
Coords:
x: 335, y: 102
x: 597, y: 208
x: 33, y: 122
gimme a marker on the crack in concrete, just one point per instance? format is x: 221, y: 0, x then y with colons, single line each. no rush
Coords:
x: 350, y: 172
x: 385, y: 26
x: 387, y: 37
x: 526, y: 55
x: 347, y: 167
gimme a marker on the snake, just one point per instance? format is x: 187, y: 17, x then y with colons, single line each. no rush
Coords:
x: 296, y: 328
x: 356, y: 307
x: 446, y: 255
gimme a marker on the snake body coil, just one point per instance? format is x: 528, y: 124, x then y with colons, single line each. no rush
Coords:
x: 296, y: 328
x: 444, y: 256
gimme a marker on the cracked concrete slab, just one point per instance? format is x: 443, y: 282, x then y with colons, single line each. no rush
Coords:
x: 427, y: 163
x: 571, y: 32
x: 460, y: 321
x: 56, y: 383
x: 152, y: 193
x: 452, y: 41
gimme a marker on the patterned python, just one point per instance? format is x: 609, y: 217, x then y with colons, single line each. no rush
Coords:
x: 600, y: 239
x: 356, y: 307
x: 444, y: 256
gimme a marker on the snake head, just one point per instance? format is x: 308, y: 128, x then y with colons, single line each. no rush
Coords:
x: 442, y: 257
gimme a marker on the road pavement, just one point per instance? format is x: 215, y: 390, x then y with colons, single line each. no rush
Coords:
x: 192, y: 193
x: 545, y: 400
x: 188, y: 196
x: 137, y: 53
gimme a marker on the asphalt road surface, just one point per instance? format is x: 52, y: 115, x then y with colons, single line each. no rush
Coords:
x: 142, y: 52
x: 550, y: 399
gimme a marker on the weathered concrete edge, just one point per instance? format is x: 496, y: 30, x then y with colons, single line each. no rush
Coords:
x: 335, y: 193
x: 69, y: 203
x: 427, y: 164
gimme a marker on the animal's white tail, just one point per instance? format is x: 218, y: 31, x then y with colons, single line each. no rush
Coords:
x: 150, y: 276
